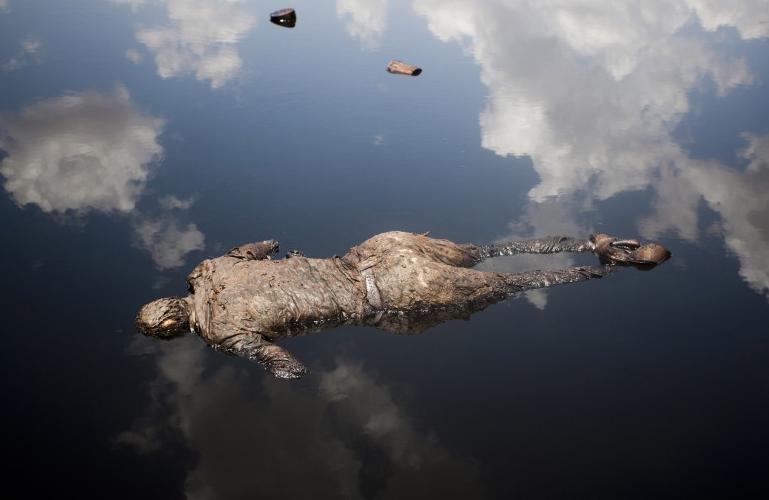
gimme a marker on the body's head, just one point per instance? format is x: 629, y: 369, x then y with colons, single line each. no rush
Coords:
x: 164, y: 317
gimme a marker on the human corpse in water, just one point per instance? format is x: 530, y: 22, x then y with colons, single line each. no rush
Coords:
x: 242, y: 302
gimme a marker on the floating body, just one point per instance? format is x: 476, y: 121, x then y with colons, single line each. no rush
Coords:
x: 242, y: 302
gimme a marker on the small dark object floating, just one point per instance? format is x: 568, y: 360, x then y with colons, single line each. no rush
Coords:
x: 402, y: 68
x: 284, y: 17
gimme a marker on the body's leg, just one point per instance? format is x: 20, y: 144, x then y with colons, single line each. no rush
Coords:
x: 463, y: 255
x: 610, y: 250
x: 496, y: 286
x: 442, y: 285
x: 554, y: 244
x: 530, y: 280
x: 463, y: 292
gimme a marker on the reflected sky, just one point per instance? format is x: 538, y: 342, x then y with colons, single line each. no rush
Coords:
x: 28, y: 53
x: 365, y: 20
x: 199, y: 38
x: 593, y: 95
x: 81, y: 151
x: 322, y: 429
x: 93, y: 151
x: 138, y: 137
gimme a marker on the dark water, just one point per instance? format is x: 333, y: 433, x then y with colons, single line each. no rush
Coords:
x: 139, y: 137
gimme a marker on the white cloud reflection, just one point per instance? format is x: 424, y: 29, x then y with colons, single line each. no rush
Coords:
x: 28, y: 53
x: 133, y: 55
x: 79, y: 152
x: 749, y: 17
x: 252, y: 437
x: 200, y: 38
x: 172, y: 202
x: 365, y: 20
x: 132, y: 3
x: 592, y: 91
x: 740, y: 198
x: 168, y: 240
x: 93, y: 151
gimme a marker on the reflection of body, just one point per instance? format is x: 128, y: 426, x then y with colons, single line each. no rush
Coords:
x: 242, y: 301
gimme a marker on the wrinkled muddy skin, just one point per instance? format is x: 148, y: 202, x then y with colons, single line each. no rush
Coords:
x: 402, y: 282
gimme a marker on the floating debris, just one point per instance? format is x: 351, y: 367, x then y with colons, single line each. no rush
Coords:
x: 401, y: 68
x: 284, y: 17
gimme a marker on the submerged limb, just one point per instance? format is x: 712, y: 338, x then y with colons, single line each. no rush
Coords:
x: 553, y: 244
x: 254, y: 346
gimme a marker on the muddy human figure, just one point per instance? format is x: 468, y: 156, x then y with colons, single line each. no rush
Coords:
x: 402, y: 282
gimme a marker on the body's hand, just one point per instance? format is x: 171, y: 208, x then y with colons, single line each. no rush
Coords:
x: 280, y: 362
x: 254, y: 346
x: 255, y: 251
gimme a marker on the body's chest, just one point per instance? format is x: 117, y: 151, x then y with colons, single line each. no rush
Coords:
x: 271, y: 296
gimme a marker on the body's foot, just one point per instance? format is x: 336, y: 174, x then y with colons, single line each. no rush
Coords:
x: 611, y: 250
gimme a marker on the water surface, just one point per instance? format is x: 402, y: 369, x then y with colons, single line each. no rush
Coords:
x: 139, y: 137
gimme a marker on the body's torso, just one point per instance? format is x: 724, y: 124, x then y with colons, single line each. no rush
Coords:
x: 233, y: 296
x: 390, y: 271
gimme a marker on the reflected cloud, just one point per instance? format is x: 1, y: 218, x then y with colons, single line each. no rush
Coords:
x: 28, y: 54
x: 251, y: 443
x: 79, y: 152
x: 167, y: 240
x: 93, y: 151
x: 747, y: 16
x: 134, y: 56
x: 132, y: 3
x: 172, y: 202
x: 3, y: 5
x: 365, y: 20
x: 740, y: 198
x: 592, y: 92
x: 199, y: 39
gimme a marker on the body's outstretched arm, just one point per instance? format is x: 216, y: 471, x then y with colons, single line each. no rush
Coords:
x: 260, y: 250
x: 254, y: 346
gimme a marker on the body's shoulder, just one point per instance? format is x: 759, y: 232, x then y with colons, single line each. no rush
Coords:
x: 216, y: 268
